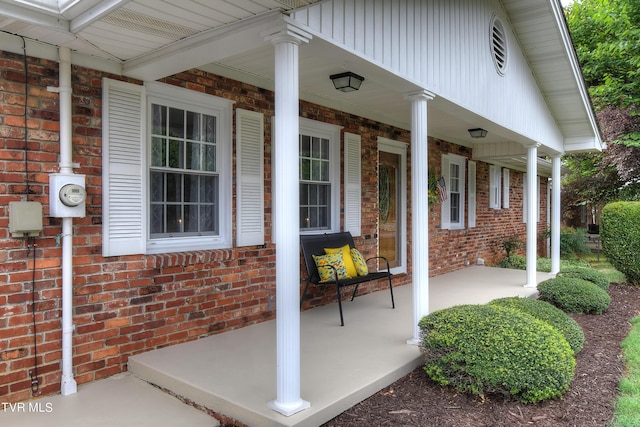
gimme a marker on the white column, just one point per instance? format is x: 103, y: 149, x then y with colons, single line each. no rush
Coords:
x: 532, y: 215
x: 555, y: 215
x: 286, y: 221
x: 419, y: 210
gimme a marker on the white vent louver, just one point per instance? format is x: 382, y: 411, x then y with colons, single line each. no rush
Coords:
x: 130, y: 20
x: 498, y: 45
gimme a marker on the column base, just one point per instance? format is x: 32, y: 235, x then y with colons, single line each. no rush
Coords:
x: 414, y: 341
x: 288, y: 409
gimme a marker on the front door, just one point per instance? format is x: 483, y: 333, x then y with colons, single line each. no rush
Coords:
x: 392, y: 180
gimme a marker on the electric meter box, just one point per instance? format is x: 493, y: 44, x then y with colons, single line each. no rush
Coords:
x: 67, y: 195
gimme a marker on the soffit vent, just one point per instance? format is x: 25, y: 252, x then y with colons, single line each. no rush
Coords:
x: 135, y: 21
x: 294, y: 4
x: 498, y: 45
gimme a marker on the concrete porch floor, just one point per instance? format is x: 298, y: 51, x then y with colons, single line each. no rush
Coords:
x: 234, y: 373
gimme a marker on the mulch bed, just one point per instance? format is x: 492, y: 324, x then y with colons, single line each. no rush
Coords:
x: 417, y: 401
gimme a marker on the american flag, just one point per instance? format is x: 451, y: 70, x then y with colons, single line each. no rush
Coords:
x: 442, y: 189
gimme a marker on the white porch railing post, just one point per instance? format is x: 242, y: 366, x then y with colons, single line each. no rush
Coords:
x: 555, y: 215
x: 286, y: 220
x: 532, y: 215
x: 419, y: 209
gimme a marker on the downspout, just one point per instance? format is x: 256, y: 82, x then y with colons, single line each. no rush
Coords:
x: 68, y: 383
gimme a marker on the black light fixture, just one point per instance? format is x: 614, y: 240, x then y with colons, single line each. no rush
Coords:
x: 346, y: 82
x: 477, y: 133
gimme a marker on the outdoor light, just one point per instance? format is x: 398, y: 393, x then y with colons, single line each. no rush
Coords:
x: 347, y: 82
x: 477, y: 133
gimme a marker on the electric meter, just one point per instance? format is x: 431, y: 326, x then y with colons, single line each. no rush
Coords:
x: 72, y: 195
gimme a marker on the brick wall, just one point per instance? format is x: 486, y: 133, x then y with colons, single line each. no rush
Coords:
x: 130, y: 304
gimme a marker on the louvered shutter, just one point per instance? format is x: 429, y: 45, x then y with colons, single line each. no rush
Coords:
x: 494, y: 187
x: 352, y: 184
x: 123, y: 168
x: 445, y: 206
x: 472, y: 194
x: 505, y: 187
x: 249, y: 178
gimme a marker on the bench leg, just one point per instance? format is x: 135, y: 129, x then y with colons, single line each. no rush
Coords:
x: 304, y: 294
x: 355, y: 292
x: 393, y: 304
x: 340, y: 304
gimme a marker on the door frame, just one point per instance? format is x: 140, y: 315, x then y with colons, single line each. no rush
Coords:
x: 400, y: 148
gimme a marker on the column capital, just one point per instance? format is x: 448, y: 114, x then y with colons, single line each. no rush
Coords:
x: 286, y: 32
x: 420, y: 95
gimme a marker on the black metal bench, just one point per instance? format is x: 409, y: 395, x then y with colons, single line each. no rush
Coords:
x: 315, y: 245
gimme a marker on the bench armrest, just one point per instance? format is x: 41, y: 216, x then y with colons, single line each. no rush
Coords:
x: 380, y: 257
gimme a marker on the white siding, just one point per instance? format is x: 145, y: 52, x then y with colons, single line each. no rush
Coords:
x: 443, y: 45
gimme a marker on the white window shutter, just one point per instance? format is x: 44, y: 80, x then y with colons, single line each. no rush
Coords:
x: 472, y: 194
x: 524, y: 198
x: 123, y: 168
x: 538, y: 200
x: 352, y: 184
x: 445, y: 206
x: 506, y: 176
x: 249, y: 178
x: 494, y: 187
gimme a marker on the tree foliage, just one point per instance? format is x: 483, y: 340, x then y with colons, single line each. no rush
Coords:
x: 605, y: 35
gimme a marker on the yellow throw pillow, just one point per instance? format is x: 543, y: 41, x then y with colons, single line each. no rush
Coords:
x: 326, y: 273
x: 359, y: 262
x: 346, y: 256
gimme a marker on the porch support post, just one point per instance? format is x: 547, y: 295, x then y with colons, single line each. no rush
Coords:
x: 286, y: 219
x: 555, y: 215
x: 532, y: 215
x: 419, y: 209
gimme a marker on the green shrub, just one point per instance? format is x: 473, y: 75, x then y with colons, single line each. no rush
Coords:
x: 550, y: 314
x: 485, y: 349
x: 574, y: 295
x: 573, y: 242
x: 620, y: 236
x: 596, y: 277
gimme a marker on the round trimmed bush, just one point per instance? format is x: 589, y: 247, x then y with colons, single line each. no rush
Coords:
x: 485, y: 349
x: 596, y: 277
x: 574, y: 295
x: 549, y: 313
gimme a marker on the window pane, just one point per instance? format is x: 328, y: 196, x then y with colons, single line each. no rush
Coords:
x: 208, y: 219
x: 305, y: 146
x: 305, y: 169
x: 157, y: 186
x: 174, y: 219
x: 209, y: 189
x: 174, y: 187
x: 193, y: 126
x: 193, y: 156
x: 209, y: 128
x: 191, y: 221
x: 158, y: 152
x: 176, y: 123
x: 210, y: 158
x: 176, y: 154
x: 191, y: 189
x: 159, y: 120
x: 157, y: 218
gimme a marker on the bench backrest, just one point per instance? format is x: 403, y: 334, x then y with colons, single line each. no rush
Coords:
x: 314, y: 244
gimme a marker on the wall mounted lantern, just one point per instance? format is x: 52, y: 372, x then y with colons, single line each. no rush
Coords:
x: 346, y: 82
x: 477, y: 133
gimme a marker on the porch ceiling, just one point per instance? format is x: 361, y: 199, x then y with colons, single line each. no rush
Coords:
x: 149, y: 39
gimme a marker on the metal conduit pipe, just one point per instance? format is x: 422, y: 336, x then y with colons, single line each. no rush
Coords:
x: 68, y: 383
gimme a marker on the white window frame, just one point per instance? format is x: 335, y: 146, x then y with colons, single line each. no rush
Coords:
x: 332, y: 133
x: 447, y: 160
x: 173, y: 96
